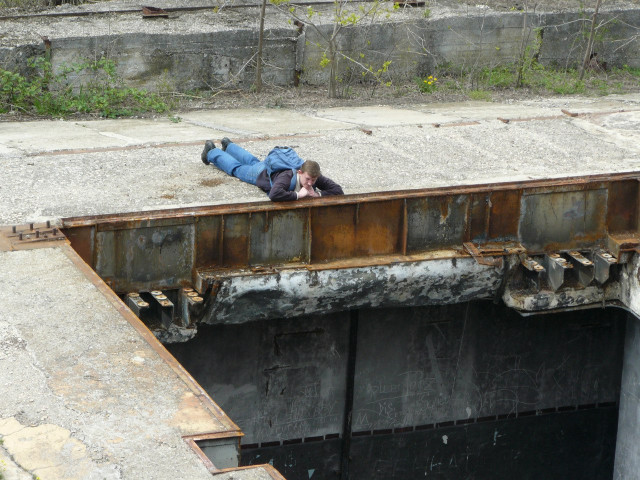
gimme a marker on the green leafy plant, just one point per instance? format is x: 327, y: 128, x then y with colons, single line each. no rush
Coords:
x: 428, y: 85
x: 88, y: 87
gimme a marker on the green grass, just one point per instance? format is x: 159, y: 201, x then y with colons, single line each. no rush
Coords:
x: 502, y: 76
x: 536, y: 78
x: 481, y: 95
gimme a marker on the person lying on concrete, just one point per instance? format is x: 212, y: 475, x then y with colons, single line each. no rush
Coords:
x: 283, y: 175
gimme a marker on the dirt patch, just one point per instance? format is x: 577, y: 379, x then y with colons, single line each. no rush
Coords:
x: 211, y: 182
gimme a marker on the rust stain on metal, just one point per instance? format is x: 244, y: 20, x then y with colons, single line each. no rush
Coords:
x: 477, y: 217
x: 480, y: 256
x: 622, y: 208
x: 504, y: 214
x: 235, y: 248
x: 23, y: 237
x: 405, y: 228
x: 443, y: 204
x: 208, y: 240
x: 379, y: 227
x: 82, y: 240
x: 627, y: 241
x: 333, y: 232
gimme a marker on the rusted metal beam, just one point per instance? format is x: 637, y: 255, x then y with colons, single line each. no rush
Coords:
x: 168, y: 249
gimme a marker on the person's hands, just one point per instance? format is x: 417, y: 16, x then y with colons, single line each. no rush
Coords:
x: 306, y: 193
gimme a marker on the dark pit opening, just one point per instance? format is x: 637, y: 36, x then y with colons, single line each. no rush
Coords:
x: 472, y: 390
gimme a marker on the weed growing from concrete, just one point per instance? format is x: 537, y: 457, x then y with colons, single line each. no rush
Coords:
x: 478, y: 85
x: 89, y: 87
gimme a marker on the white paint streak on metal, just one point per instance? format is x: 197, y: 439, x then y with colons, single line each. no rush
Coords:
x: 291, y: 293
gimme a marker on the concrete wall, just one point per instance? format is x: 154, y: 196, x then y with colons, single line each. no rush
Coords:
x: 415, y: 45
x: 627, y: 461
x: 186, y: 62
x: 474, y: 373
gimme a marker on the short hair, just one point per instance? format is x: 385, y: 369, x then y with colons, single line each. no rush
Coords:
x: 311, y: 168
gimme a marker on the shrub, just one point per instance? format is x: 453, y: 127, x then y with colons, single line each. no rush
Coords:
x: 49, y: 94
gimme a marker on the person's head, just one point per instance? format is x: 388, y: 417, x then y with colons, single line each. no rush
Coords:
x: 309, y: 173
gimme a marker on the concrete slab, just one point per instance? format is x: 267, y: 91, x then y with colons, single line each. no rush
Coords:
x: 157, y: 130
x: 86, y: 393
x: 266, y: 121
x: 375, y: 116
x: 46, y: 136
x: 32, y: 137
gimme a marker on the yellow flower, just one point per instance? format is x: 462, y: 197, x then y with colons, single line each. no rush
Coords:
x: 429, y: 83
x: 430, y: 76
x: 435, y: 79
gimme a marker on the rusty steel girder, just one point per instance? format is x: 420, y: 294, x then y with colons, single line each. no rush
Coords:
x: 144, y: 251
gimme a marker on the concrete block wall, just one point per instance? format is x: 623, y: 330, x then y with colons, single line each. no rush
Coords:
x: 186, y: 62
x: 415, y: 45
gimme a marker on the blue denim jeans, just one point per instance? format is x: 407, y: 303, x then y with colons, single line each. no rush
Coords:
x: 236, y: 161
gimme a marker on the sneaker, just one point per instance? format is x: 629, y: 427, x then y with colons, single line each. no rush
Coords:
x: 225, y: 142
x: 208, y: 145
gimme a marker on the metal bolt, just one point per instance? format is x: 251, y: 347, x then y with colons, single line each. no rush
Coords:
x: 197, y: 299
x: 156, y: 292
x: 134, y: 294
